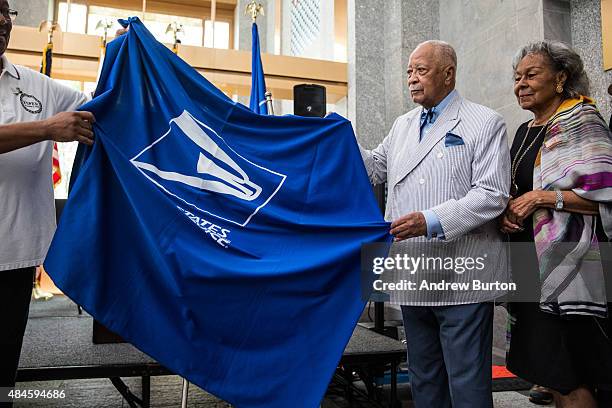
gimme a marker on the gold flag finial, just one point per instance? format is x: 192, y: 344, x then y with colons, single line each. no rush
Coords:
x: 254, y: 9
x: 51, y: 27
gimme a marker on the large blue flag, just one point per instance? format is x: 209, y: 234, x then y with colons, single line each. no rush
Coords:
x: 222, y: 243
x: 258, y: 80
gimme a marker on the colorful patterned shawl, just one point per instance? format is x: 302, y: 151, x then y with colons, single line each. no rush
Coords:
x: 576, y: 155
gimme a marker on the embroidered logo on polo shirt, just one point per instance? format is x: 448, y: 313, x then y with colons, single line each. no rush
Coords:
x: 29, y: 102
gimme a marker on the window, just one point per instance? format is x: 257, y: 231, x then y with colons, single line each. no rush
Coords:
x: 85, y: 19
x: 305, y: 26
x: 75, y: 22
x: 221, y: 35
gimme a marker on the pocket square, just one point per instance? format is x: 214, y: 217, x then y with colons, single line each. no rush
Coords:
x: 452, y: 139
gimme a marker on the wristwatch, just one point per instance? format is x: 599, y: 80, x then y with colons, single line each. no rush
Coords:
x: 559, y: 202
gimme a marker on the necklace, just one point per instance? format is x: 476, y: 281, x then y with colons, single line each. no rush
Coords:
x: 519, y: 156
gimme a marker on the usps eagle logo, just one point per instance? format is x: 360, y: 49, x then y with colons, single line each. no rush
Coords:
x: 194, y: 165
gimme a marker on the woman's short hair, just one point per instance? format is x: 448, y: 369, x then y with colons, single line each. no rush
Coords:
x: 561, y: 58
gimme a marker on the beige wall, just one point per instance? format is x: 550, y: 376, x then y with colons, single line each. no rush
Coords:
x: 606, y: 32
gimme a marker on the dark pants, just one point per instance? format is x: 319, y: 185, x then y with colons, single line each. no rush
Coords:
x: 449, y: 355
x: 15, y: 293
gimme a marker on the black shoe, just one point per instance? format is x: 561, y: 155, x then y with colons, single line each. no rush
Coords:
x: 540, y: 395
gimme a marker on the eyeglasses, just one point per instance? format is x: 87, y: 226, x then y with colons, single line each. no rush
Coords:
x: 10, y: 14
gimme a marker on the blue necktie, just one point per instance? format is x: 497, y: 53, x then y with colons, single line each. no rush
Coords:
x: 427, y: 117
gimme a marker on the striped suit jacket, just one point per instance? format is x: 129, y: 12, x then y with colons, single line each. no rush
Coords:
x: 466, y: 185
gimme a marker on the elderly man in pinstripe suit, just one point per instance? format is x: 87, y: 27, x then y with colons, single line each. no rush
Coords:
x: 447, y: 166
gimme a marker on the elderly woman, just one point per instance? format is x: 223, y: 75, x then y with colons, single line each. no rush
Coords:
x: 560, y: 212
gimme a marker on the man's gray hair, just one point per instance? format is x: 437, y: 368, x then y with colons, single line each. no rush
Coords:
x: 561, y: 58
x: 445, y: 51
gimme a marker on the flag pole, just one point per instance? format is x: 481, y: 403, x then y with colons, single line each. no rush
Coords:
x: 269, y: 104
x: 213, y: 17
x: 56, y: 174
x: 254, y: 10
x: 185, y: 393
x: 45, y: 69
x: 68, y: 5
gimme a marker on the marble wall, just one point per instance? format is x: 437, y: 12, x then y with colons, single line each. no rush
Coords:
x: 381, y: 35
x: 556, y: 20
x: 408, y: 23
x: 366, y: 66
x: 586, y: 39
x: 31, y: 12
x: 486, y: 34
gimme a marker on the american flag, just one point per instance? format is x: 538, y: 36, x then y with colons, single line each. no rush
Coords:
x: 57, y: 173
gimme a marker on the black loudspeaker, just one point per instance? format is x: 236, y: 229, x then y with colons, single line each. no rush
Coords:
x: 309, y: 100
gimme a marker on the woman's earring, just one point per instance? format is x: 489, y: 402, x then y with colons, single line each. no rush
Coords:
x: 559, y: 88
